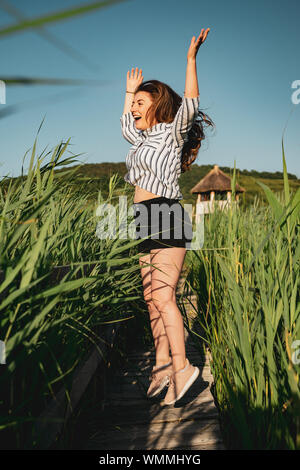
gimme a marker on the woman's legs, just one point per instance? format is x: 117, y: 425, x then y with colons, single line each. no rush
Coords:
x: 164, y: 280
x: 161, y: 342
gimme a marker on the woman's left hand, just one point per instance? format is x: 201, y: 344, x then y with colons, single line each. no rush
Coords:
x: 195, y: 44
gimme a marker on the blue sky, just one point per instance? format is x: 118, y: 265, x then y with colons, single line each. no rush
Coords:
x: 245, y: 71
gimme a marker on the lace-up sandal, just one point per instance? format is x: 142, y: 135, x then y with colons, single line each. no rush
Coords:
x: 159, y: 377
x: 179, y: 383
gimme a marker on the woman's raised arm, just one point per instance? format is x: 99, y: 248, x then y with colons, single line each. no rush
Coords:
x: 191, y: 81
x: 129, y: 131
x: 188, y: 110
x: 134, y: 79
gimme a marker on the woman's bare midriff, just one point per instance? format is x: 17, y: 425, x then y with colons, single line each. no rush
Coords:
x: 141, y: 194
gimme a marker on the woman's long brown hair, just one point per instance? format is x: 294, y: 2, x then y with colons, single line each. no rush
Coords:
x: 166, y: 103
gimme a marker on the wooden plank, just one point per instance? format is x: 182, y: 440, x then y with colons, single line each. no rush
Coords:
x: 157, y: 436
x: 121, y: 412
x: 141, y: 368
x: 209, y: 444
x: 138, y: 390
x: 131, y: 375
x: 190, y: 349
x: 136, y: 402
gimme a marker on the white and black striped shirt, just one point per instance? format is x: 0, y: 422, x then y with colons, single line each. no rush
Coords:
x: 154, y: 160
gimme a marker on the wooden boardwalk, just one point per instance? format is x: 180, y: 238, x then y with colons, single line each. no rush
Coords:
x: 130, y: 420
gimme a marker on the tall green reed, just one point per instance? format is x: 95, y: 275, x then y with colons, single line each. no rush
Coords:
x: 49, y: 325
x: 247, y: 281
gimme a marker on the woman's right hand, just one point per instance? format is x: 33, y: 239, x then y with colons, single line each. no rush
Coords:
x: 134, y: 79
x: 195, y: 44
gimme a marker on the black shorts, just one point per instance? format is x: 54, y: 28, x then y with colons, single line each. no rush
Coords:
x: 164, y: 222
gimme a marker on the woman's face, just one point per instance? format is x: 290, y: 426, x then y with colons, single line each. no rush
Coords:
x: 140, y: 105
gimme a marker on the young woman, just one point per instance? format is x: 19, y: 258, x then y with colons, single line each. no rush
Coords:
x: 166, y: 132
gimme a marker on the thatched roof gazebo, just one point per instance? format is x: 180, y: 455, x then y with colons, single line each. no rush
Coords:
x: 215, y: 188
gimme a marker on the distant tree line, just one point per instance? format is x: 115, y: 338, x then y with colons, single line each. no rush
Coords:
x: 89, y: 178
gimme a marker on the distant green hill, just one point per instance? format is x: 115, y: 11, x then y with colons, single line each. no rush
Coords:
x: 98, y: 174
x: 91, y: 177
